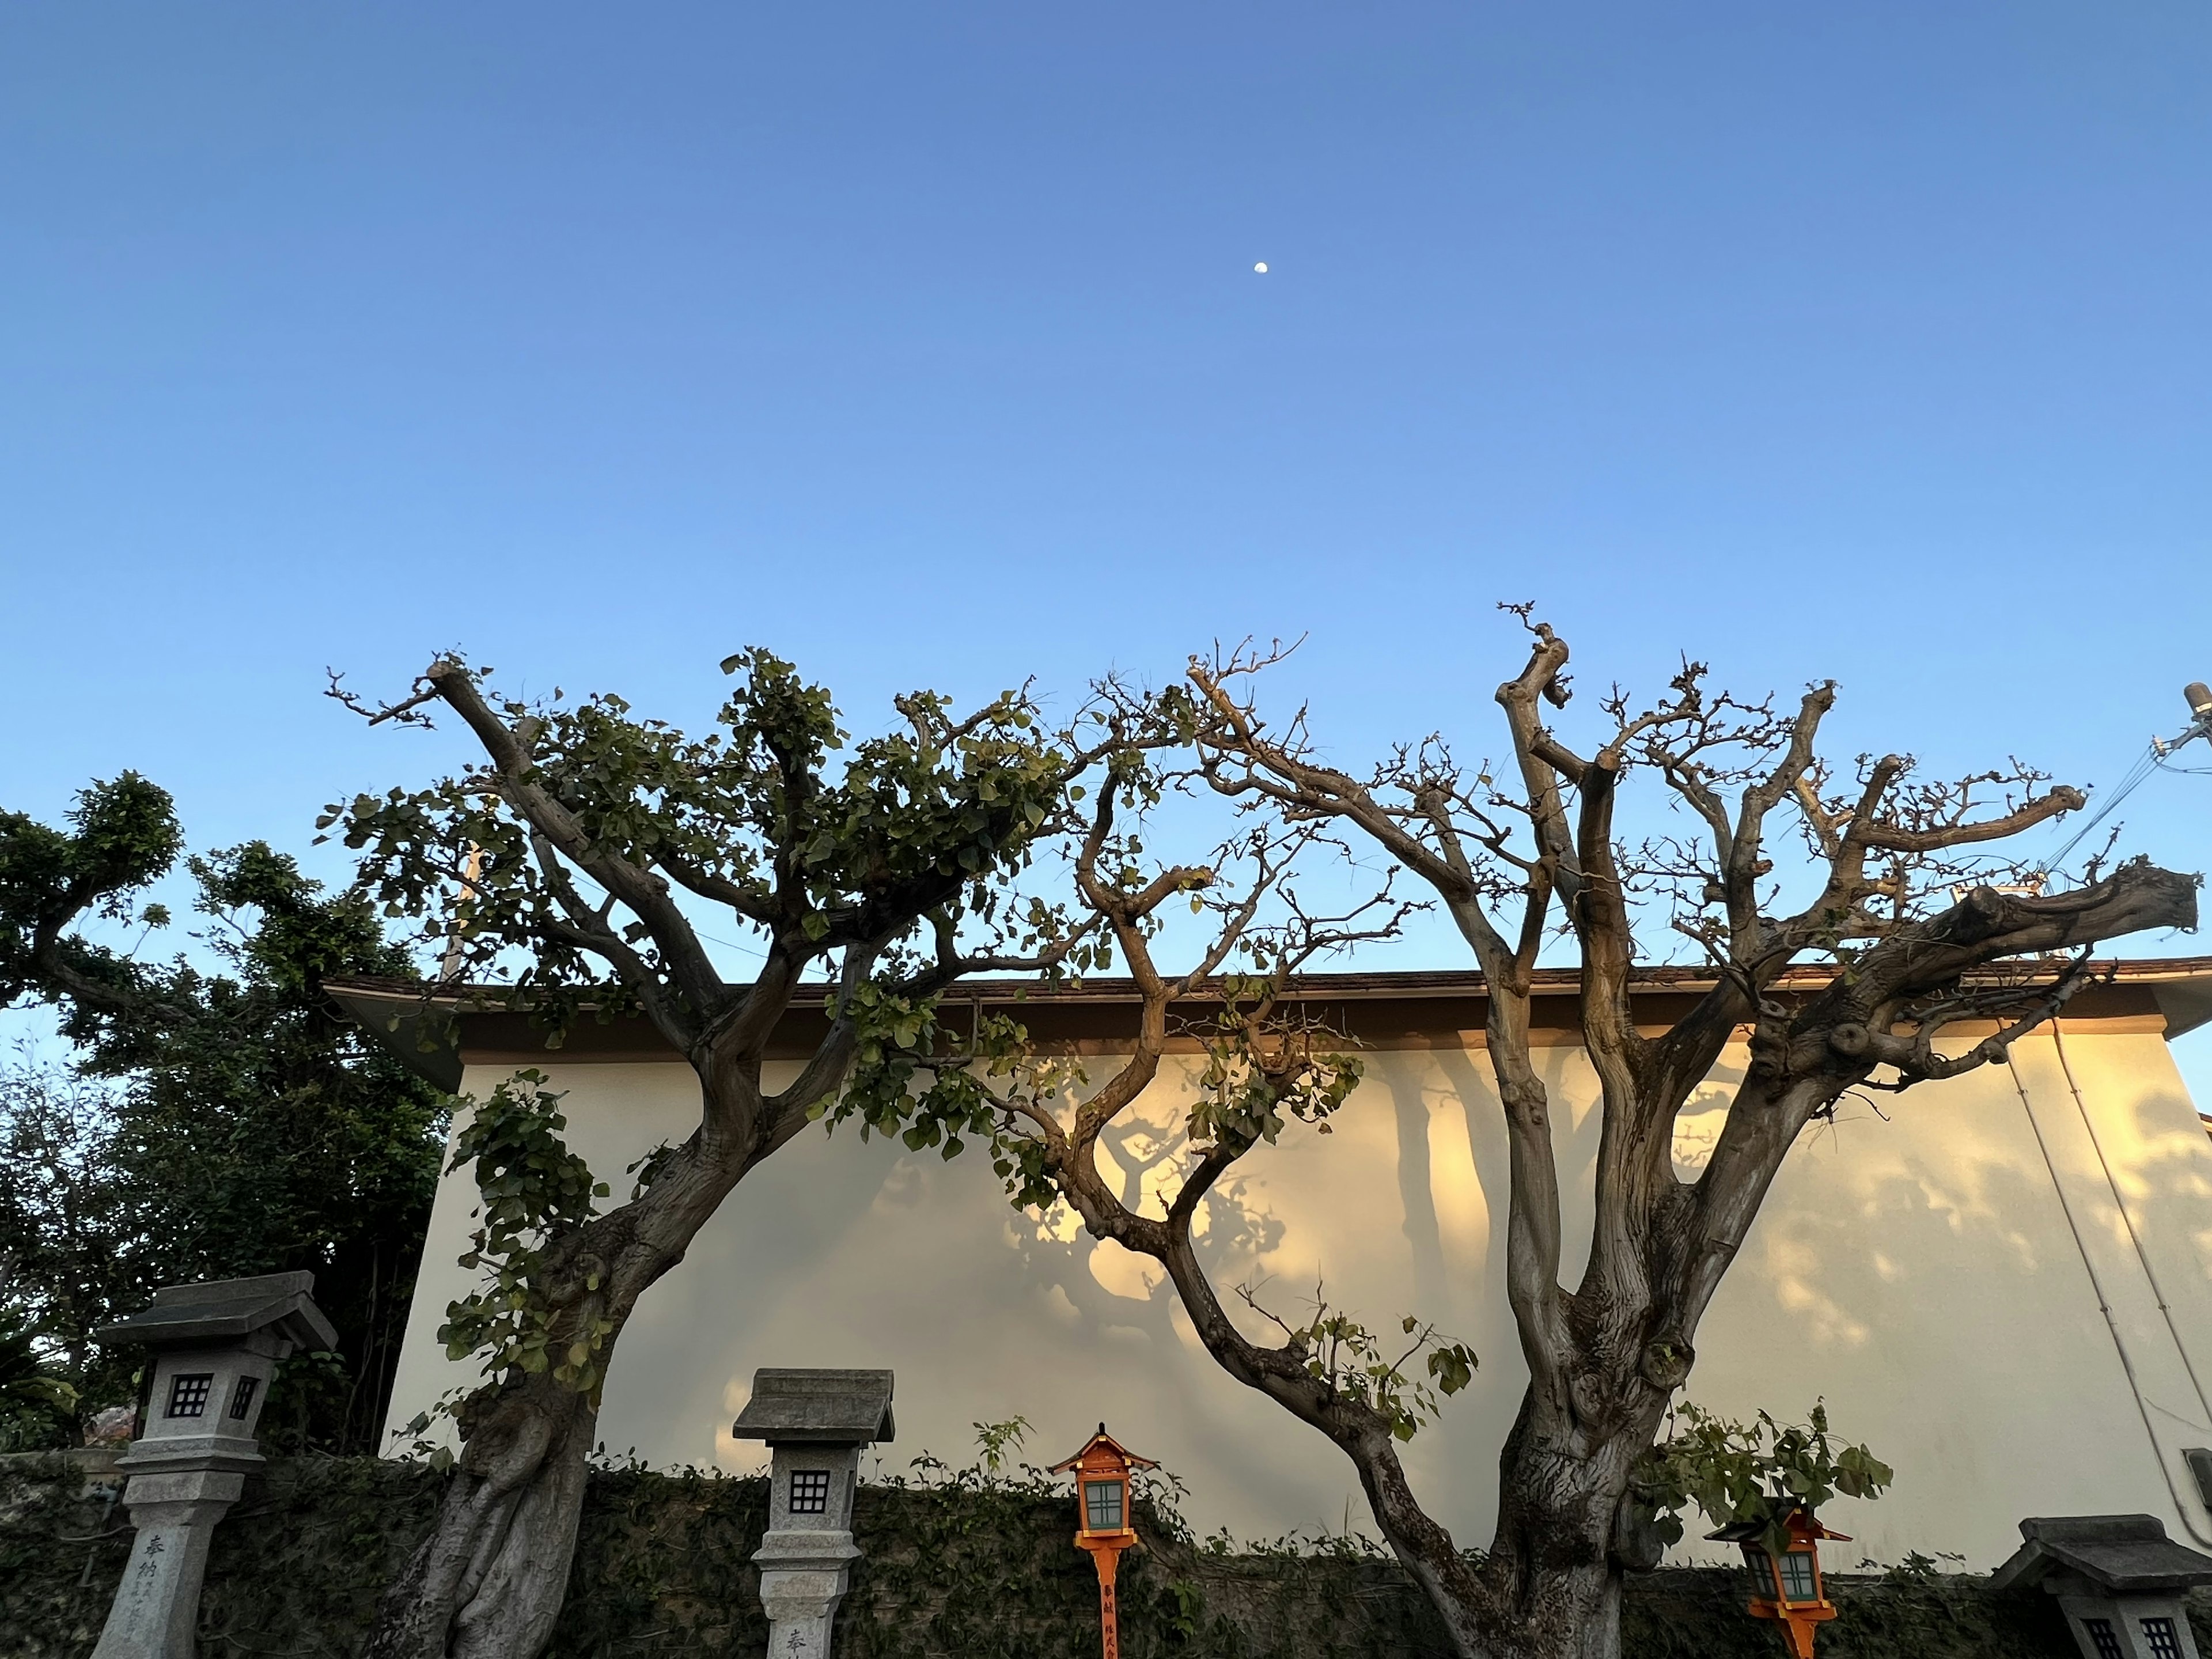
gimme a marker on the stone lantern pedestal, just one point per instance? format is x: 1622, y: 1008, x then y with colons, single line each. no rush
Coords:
x: 815, y: 1423
x: 214, y: 1349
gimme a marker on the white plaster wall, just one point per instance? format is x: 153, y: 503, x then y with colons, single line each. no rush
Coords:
x: 1920, y: 1272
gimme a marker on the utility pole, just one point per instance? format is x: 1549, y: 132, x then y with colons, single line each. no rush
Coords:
x: 2199, y: 697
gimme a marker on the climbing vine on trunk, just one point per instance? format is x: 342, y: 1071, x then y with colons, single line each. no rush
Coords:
x: 534, y: 1191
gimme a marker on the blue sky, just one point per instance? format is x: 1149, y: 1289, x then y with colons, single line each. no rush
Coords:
x: 923, y: 345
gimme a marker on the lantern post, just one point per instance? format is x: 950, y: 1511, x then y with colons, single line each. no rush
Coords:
x: 1104, y: 1522
x: 816, y: 1423
x: 214, y: 1350
x: 1787, y: 1587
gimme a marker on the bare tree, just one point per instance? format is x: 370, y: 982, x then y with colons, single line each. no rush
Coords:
x: 1930, y: 934
x: 1260, y: 1060
x: 577, y: 852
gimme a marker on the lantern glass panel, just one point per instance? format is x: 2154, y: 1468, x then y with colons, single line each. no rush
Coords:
x: 1800, y: 1581
x: 1102, y: 1505
x: 1762, y: 1570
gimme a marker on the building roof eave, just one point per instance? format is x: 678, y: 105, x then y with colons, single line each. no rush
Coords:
x: 2186, y: 1004
x: 426, y: 1026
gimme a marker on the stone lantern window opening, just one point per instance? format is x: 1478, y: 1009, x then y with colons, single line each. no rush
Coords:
x: 188, y: 1393
x: 241, y: 1397
x: 809, y: 1491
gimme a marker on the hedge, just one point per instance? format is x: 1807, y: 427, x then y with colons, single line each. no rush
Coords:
x: 959, y: 1567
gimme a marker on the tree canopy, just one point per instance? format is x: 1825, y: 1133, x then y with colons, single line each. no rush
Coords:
x: 583, y: 857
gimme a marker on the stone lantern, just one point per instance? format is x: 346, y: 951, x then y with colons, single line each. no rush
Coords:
x: 2120, y: 1581
x: 214, y: 1351
x: 815, y: 1423
x: 1787, y: 1585
x: 1105, y: 1525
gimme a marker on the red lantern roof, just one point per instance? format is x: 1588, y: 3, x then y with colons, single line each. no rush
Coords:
x: 1101, y: 1454
x: 1799, y: 1522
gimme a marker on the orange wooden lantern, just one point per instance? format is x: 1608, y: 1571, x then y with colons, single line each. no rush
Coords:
x: 1787, y: 1587
x: 1105, y: 1525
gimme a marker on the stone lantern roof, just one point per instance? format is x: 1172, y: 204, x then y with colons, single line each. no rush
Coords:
x: 817, y: 1408
x: 227, y: 1310
x: 2121, y: 1554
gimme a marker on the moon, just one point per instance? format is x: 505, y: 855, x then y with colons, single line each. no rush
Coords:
x: 1261, y: 267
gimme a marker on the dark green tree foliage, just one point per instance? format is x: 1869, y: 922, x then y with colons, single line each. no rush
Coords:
x: 33, y: 1400
x: 245, y: 1126
x: 122, y: 836
x: 67, y: 1214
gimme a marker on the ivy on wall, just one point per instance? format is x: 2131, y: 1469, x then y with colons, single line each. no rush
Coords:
x: 960, y: 1566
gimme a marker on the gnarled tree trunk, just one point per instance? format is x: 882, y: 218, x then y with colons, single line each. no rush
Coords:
x: 490, y: 1580
x: 1567, y: 1532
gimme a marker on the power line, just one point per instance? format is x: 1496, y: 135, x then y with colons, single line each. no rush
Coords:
x: 2152, y: 759
x: 2145, y: 765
